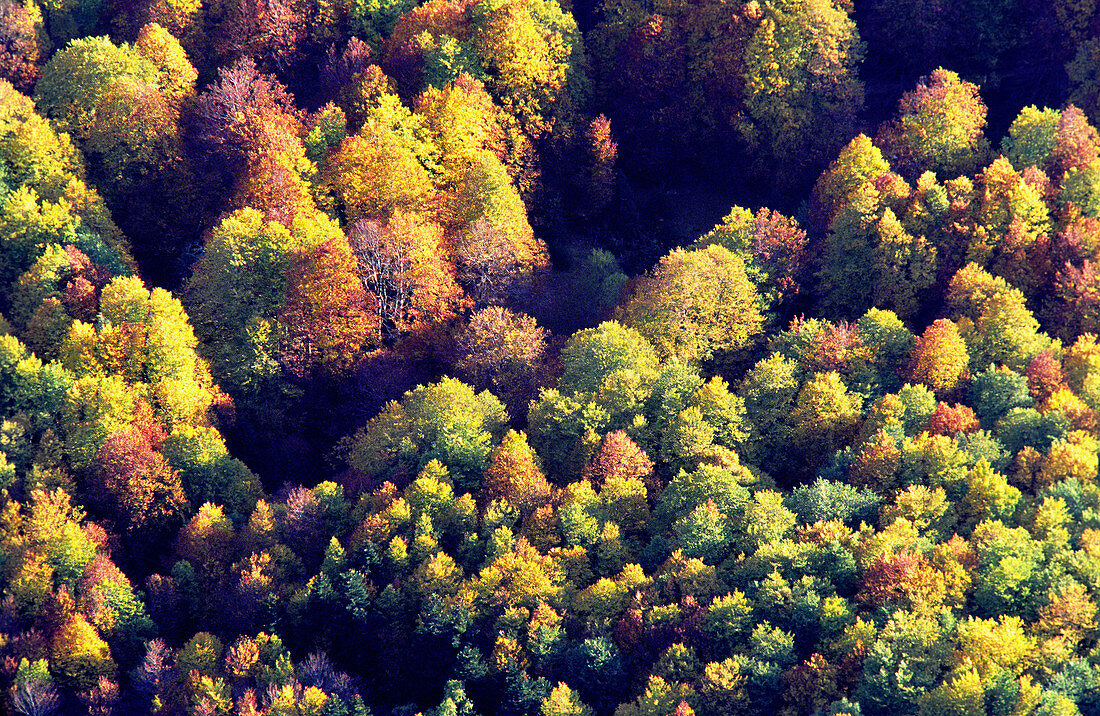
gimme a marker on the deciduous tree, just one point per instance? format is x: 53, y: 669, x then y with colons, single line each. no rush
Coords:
x: 696, y: 305
x: 23, y: 38
x: 939, y: 358
x: 504, y: 352
x: 327, y: 317
x: 938, y: 127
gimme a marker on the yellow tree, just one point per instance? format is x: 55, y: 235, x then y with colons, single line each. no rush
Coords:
x: 696, y: 305
x: 802, y: 91
x: 375, y: 172
x: 176, y: 75
x: 938, y: 127
x: 78, y: 655
x: 534, y: 54
x: 462, y: 121
x: 939, y: 358
x: 498, y: 254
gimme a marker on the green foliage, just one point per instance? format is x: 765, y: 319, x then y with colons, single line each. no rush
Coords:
x: 594, y: 355
x: 75, y: 79
x: 238, y: 289
x: 373, y: 20
x: 769, y: 391
x: 765, y: 520
x: 907, y: 658
x: 891, y: 341
x: 689, y: 491
x: 703, y: 533
x: 825, y: 500
x: 600, y: 279
x: 996, y: 391
x: 890, y: 507
x: 208, y: 472
x: 445, y: 421
x: 1031, y: 137
x: 1008, y: 580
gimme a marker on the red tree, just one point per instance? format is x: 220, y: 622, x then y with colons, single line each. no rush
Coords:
x: 134, y: 483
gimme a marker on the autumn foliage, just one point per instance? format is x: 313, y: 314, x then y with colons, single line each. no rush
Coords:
x: 522, y: 357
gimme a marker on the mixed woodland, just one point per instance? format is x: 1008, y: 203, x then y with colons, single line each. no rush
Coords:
x: 527, y: 357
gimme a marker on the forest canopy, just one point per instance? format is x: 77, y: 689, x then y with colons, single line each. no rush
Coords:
x: 534, y: 358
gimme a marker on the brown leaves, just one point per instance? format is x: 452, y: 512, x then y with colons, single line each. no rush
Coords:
x: 327, y: 317
x: 950, y: 420
x: 134, y: 482
x: 506, y: 353
x: 618, y: 458
x: 404, y: 264
x: 514, y: 475
x: 905, y: 579
x: 19, y: 50
x: 225, y: 113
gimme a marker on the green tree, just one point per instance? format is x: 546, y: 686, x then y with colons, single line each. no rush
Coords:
x: 765, y: 520
x: 769, y: 390
x: 825, y: 500
x: 446, y: 421
x: 704, y: 533
x: 996, y: 391
x: 207, y: 471
x: 78, y: 76
x: 373, y: 20
x: 891, y: 342
x: 1009, y: 570
x: 903, y: 661
x: 905, y: 267
x: 51, y: 203
x: 1031, y: 137
x: 246, y: 269
x: 593, y: 355
x: 849, y: 254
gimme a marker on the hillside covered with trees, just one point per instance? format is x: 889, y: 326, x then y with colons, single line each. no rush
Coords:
x: 537, y: 358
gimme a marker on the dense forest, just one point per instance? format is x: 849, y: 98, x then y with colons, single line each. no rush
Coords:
x: 513, y: 357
